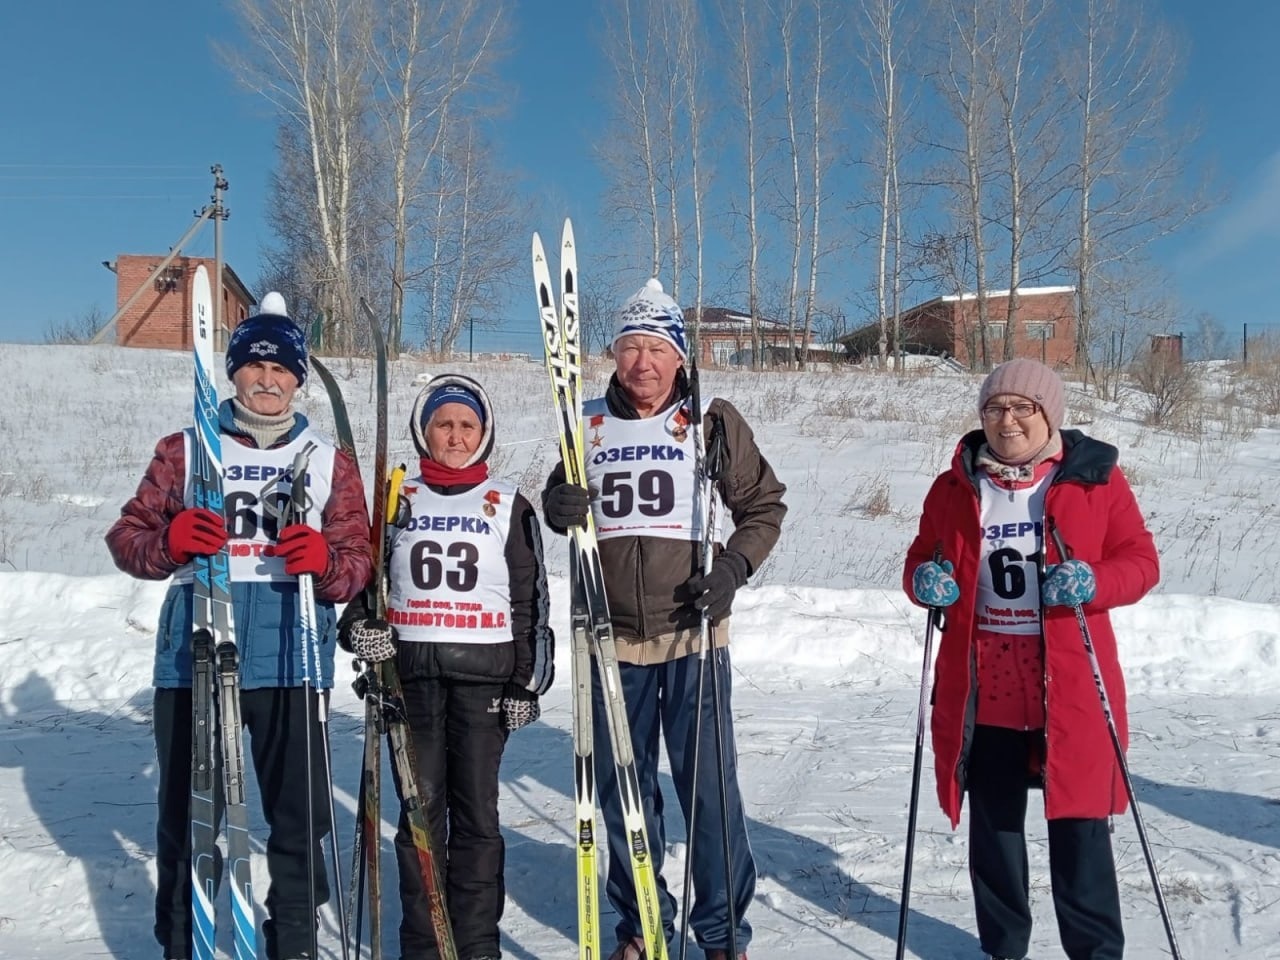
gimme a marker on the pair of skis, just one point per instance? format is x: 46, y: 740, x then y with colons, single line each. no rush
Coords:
x: 592, y: 627
x: 215, y: 678
x: 378, y: 684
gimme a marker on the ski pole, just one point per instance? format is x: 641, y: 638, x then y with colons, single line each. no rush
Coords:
x: 693, y: 802
x: 583, y: 774
x: 1064, y: 553
x: 296, y: 513
x: 718, y: 722
x: 708, y: 468
x: 934, y: 616
x: 313, y: 701
x: 700, y: 454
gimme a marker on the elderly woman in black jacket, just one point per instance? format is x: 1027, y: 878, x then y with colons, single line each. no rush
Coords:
x: 467, y: 607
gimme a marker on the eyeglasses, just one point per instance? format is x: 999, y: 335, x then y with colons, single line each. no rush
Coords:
x: 1021, y: 411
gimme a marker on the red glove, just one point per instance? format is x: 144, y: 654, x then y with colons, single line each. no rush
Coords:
x: 304, y: 549
x: 196, y: 532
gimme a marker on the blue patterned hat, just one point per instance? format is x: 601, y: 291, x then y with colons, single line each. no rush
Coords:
x: 270, y: 337
x: 654, y: 314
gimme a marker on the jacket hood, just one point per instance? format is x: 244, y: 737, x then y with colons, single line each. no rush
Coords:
x: 417, y: 427
x: 1084, y: 459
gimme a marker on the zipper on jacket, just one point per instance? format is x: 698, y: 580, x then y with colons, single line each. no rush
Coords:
x: 1044, y: 644
x: 1045, y: 679
x: 640, y: 594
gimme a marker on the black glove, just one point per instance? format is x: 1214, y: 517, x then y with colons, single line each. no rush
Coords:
x: 566, y: 505
x: 371, y: 640
x: 714, y: 592
x: 519, y: 707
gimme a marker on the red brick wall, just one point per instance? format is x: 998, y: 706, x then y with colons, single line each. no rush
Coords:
x: 161, y: 316
x: 1058, y: 309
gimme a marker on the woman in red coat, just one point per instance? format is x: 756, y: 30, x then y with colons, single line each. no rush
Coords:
x: 1015, y: 702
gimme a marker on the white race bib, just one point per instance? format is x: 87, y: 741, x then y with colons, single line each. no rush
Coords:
x: 256, y: 485
x: 643, y: 472
x: 449, y: 580
x: 1008, y: 568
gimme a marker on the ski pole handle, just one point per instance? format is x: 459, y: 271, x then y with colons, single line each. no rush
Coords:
x: 935, y: 613
x: 1064, y: 552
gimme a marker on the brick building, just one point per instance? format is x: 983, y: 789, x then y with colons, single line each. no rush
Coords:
x: 724, y: 336
x: 161, y: 316
x: 1044, y: 328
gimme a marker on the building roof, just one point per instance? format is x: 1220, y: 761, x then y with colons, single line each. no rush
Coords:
x: 860, y: 332
x: 992, y: 294
x: 725, y: 320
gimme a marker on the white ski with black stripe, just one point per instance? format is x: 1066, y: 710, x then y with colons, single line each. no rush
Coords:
x: 216, y: 670
x: 560, y: 334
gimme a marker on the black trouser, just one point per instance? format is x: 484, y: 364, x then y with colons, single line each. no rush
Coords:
x: 1082, y: 871
x: 458, y: 737
x: 275, y: 719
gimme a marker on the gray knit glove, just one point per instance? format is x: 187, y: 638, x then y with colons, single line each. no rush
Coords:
x: 371, y: 640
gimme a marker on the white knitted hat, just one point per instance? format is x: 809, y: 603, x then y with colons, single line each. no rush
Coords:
x: 651, y: 312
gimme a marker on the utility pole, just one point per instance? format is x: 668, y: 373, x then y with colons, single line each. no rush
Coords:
x: 218, y: 214
x: 215, y: 211
x: 1244, y: 344
x: 471, y: 349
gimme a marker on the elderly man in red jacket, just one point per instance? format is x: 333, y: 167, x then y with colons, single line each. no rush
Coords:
x: 156, y: 537
x: 1015, y: 702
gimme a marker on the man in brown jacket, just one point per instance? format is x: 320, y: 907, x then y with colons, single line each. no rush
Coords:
x: 640, y: 468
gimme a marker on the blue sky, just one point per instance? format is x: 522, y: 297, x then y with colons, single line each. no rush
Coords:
x: 111, y: 118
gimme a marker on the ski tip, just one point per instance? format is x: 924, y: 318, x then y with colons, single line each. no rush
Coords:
x: 567, y: 235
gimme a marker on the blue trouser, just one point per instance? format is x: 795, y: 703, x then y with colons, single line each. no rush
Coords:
x: 663, y: 697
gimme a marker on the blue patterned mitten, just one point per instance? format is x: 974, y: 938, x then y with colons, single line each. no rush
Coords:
x: 1069, y: 584
x: 933, y: 584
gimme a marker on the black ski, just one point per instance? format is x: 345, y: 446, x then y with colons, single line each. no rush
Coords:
x: 366, y: 848
x: 382, y: 680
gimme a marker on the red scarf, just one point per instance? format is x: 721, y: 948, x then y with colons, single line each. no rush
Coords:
x: 438, y: 475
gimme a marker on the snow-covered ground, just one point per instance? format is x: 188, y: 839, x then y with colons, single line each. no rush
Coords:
x: 827, y: 671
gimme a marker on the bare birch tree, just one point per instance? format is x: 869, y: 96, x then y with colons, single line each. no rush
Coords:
x: 821, y: 123
x: 744, y: 25
x: 632, y: 153
x: 668, y: 38
x: 882, y: 29
x: 692, y: 41
x: 473, y: 253
x: 424, y: 56
x: 967, y: 86
x: 1131, y: 163
x: 472, y: 248
x: 1030, y: 112
x: 309, y: 64
x: 796, y: 212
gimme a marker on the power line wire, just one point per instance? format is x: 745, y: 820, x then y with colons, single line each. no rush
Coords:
x: 89, y: 196
x: 98, y: 166
x: 115, y: 176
